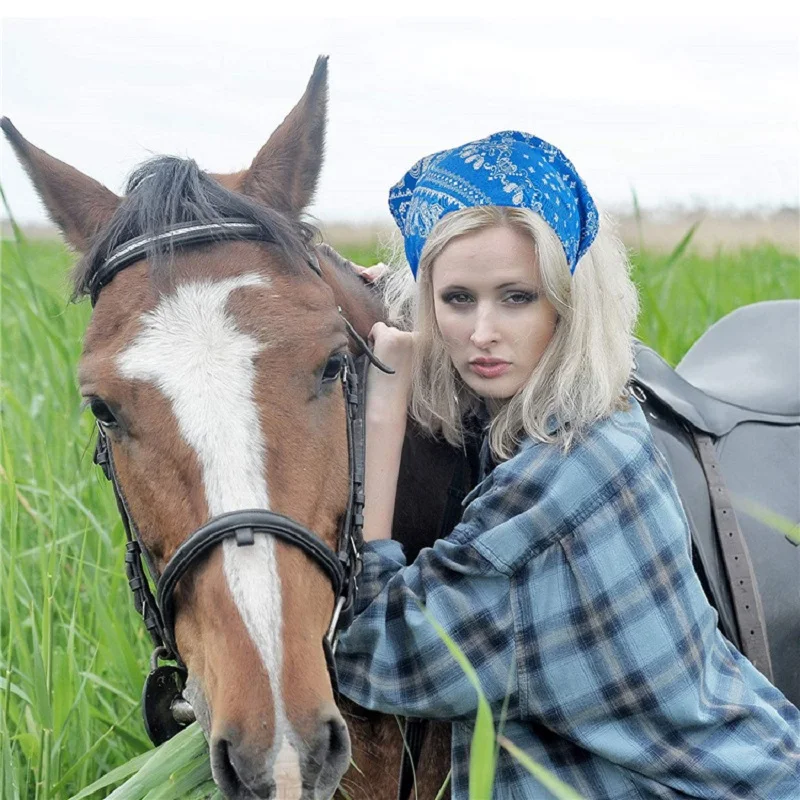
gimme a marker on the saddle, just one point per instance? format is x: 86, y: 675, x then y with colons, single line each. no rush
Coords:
x: 727, y: 420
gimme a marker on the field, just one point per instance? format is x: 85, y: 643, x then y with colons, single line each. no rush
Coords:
x: 73, y: 652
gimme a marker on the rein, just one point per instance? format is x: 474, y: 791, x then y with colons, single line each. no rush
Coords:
x: 164, y: 709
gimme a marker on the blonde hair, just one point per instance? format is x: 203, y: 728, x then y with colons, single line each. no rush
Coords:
x: 583, y: 373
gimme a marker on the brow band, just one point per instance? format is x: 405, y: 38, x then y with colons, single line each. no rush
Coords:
x: 187, y: 234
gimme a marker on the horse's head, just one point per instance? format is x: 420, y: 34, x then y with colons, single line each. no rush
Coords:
x: 214, y: 370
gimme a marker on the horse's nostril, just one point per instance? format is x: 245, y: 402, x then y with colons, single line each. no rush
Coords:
x: 222, y: 769
x: 330, y: 742
x: 331, y: 752
x: 234, y: 776
x: 338, y: 738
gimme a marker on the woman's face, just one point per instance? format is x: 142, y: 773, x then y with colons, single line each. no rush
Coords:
x: 491, y: 309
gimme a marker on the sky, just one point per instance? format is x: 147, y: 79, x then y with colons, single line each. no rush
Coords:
x: 693, y: 109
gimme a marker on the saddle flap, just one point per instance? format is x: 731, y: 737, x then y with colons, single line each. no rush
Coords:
x: 688, y: 401
x: 750, y: 359
x: 654, y: 375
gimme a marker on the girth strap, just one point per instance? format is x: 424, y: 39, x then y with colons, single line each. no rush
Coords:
x: 736, y: 556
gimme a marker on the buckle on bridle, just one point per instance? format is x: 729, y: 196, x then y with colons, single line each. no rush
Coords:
x: 101, y: 452
x: 332, y: 634
x: 344, y: 611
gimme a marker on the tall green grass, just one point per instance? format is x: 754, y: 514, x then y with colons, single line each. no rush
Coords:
x: 73, y: 652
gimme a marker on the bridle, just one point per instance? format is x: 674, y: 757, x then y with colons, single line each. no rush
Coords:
x: 164, y: 709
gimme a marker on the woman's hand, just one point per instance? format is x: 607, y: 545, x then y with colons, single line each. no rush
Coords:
x: 388, y: 395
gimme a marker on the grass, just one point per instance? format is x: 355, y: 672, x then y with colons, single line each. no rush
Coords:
x: 73, y: 652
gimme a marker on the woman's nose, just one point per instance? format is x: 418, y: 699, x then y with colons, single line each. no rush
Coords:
x: 485, y: 331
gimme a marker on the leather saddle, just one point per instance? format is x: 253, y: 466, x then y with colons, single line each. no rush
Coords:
x: 727, y: 419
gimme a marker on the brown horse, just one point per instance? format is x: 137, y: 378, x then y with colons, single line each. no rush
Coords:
x: 208, y: 368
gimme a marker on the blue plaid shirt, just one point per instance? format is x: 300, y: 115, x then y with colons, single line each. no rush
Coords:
x: 569, y: 586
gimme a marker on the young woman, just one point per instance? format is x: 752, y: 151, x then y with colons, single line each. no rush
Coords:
x: 568, y: 583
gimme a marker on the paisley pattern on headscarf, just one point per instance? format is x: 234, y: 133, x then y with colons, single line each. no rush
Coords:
x: 509, y: 168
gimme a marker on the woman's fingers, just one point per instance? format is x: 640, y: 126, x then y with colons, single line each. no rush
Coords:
x: 370, y: 274
x: 387, y: 395
x: 392, y: 343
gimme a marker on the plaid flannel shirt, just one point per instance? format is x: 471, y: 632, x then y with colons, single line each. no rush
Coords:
x: 569, y: 586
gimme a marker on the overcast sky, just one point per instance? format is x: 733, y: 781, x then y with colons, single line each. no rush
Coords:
x: 690, y: 111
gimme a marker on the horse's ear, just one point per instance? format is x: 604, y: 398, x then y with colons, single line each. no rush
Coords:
x: 78, y: 204
x: 284, y: 173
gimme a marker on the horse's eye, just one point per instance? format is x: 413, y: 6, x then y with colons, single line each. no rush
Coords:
x: 102, y: 412
x: 333, y: 369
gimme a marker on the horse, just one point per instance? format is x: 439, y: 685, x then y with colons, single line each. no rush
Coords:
x: 219, y: 334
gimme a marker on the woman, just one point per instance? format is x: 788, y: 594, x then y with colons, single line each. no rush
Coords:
x: 568, y: 583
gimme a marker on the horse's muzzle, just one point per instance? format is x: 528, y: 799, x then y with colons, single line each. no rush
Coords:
x: 311, y: 772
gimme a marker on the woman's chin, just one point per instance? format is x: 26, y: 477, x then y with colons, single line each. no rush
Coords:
x: 500, y: 388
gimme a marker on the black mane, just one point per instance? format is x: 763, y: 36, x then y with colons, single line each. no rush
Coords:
x: 167, y: 191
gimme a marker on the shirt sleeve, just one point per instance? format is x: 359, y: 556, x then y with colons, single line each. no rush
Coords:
x: 391, y: 658
x: 624, y: 659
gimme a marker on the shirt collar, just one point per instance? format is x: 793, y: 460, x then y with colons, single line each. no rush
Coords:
x: 486, y: 460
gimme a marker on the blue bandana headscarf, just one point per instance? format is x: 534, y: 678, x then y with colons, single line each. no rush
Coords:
x: 509, y: 168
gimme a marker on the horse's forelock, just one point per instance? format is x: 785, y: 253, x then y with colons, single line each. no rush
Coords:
x: 168, y: 191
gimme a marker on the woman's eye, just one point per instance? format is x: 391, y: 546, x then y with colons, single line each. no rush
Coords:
x: 457, y: 298
x: 333, y: 368
x: 520, y: 298
x: 102, y: 412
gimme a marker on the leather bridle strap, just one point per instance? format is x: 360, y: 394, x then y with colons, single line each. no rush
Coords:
x: 143, y: 598
x: 243, y: 526
x: 177, y: 236
x: 351, y: 537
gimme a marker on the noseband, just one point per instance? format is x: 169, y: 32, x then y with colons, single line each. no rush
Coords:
x: 164, y: 709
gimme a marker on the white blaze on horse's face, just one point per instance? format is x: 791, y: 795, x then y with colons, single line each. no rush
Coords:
x: 192, y: 351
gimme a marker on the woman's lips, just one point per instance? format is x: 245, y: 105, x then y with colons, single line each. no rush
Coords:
x: 489, y: 368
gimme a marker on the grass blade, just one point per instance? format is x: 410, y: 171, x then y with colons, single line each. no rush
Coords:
x: 769, y: 518
x: 680, y: 248
x: 554, y: 785
x: 482, y: 753
x: 637, y: 215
